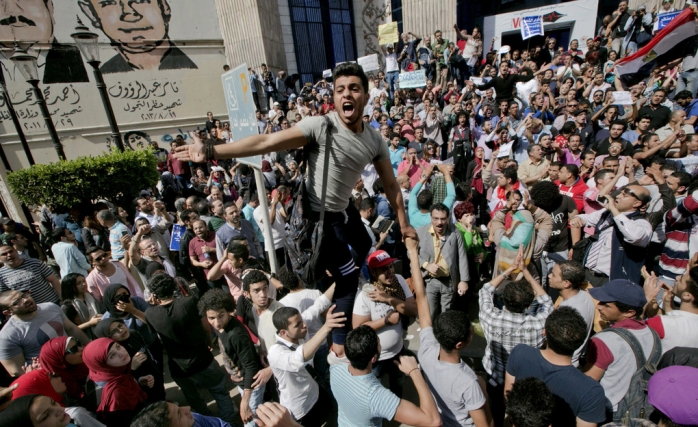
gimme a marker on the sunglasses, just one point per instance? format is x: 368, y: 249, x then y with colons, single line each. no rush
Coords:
x: 100, y: 258
x: 72, y: 350
x: 629, y: 192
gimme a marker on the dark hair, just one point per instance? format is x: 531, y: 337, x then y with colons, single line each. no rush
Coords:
x: 556, y: 163
x: 618, y: 122
x: 69, y: 310
x: 569, y: 127
x: 692, y: 285
x: 378, y: 186
x: 660, y: 89
x: 510, y: 173
x: 394, y: 135
x: 69, y: 286
x: 57, y: 233
x: 350, y: 69
x: 141, y: 219
x: 162, y: 286
x: 572, y: 169
x: 93, y: 250
x: 684, y: 94
x: 254, y: 276
x: 573, y: 272
x: 530, y: 403
x: 610, y: 158
x: 216, y: 299
x: 450, y: 328
x: 624, y: 308
x: 288, y: 278
x: 546, y: 195
x: 154, y: 415
x: 518, y: 296
x: 361, y: 346
x: 425, y: 199
x: 366, y: 204
x: 565, y: 331
x: 684, y: 178
x: 439, y: 207
x: 202, y: 207
x: 186, y: 215
x: 281, y: 316
x: 238, y: 249
x: 602, y: 174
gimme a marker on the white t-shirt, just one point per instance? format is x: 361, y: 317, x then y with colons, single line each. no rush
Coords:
x: 119, y: 277
x: 278, y: 228
x: 584, y: 304
x: 390, y: 336
x: 391, y: 62
x: 301, y: 301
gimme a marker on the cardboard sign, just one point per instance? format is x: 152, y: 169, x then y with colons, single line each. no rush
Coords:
x: 413, y: 79
x: 622, y: 98
x: 369, y: 63
x: 387, y: 33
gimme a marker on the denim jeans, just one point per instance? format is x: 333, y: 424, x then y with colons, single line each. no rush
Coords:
x: 212, y: 379
x: 391, y: 77
x: 687, y: 80
x: 256, y: 399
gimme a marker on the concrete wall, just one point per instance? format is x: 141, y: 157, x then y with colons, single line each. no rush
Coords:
x: 423, y: 17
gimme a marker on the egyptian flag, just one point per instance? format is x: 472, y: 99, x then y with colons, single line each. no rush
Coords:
x: 676, y: 40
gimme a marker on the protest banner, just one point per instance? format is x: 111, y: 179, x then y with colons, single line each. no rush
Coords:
x: 663, y: 19
x: 531, y: 26
x: 622, y: 98
x: 177, y: 234
x: 369, y: 63
x: 387, y: 33
x: 413, y: 79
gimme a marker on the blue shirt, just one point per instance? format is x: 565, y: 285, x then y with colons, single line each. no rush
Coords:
x: 115, y: 232
x: 70, y: 259
x: 204, y: 421
x: 362, y: 401
x: 692, y: 110
x: 248, y: 212
x: 417, y: 218
x: 396, y: 157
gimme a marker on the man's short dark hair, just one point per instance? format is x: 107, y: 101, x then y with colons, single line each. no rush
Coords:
x: 254, y: 276
x: 350, y: 69
x: 572, y: 169
x: 565, y: 331
x: 573, y: 272
x: 439, y: 207
x: 662, y: 90
x: 569, y: 127
x: 684, y: 178
x: 288, y: 278
x: 684, y: 94
x: 281, y: 317
x: 187, y: 215
x: 366, y: 204
x: 202, y: 208
x: 450, y: 328
x: 510, y: 173
x: 361, y: 346
x: 378, y: 187
x: 610, y: 159
x: 625, y: 308
x: 518, y: 296
x: 162, y: 286
x: 141, y: 220
x: 530, y: 403
x: 57, y: 233
x: 618, y: 123
x: 154, y: 415
x: 394, y: 135
x: 692, y: 285
x: 425, y: 199
x: 216, y: 299
x: 546, y: 195
x: 238, y: 249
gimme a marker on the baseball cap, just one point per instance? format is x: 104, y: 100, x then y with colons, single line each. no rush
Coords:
x: 276, y: 103
x: 578, y: 111
x: 380, y: 259
x: 674, y: 392
x: 597, y: 38
x: 620, y: 290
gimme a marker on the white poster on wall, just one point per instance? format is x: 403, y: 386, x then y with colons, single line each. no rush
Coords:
x: 369, y: 63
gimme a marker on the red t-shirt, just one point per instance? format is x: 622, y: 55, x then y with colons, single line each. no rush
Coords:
x: 195, y: 248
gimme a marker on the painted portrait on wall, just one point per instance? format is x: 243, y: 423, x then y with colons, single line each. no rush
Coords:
x: 32, y: 22
x: 139, y: 31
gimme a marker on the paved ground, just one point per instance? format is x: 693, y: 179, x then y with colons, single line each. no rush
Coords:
x: 472, y: 355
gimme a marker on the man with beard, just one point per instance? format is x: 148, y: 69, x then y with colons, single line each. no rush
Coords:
x: 343, y: 226
x: 503, y: 84
x: 29, y: 327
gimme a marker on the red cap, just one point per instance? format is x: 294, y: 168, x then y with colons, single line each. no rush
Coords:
x: 380, y: 259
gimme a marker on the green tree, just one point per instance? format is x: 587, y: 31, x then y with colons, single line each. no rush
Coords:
x: 118, y: 176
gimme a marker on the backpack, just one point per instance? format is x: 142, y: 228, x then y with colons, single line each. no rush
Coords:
x: 303, y: 240
x: 634, y: 404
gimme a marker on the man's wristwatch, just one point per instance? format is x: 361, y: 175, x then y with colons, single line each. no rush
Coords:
x: 506, y: 276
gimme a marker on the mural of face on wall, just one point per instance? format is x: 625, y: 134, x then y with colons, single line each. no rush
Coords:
x: 31, y: 23
x: 136, y: 139
x: 138, y: 29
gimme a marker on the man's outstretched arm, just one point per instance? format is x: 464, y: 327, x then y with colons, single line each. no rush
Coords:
x: 249, y: 146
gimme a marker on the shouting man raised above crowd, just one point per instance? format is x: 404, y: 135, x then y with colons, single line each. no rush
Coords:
x: 353, y: 147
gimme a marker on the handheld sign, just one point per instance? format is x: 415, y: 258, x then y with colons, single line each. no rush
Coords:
x: 241, y: 108
x: 177, y: 234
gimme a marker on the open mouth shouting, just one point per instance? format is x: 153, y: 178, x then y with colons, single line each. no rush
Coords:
x: 348, y: 108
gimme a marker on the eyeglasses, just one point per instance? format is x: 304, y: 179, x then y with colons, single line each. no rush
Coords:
x: 599, y: 96
x: 572, y: 105
x: 21, y: 299
x: 72, y: 350
x: 120, y: 327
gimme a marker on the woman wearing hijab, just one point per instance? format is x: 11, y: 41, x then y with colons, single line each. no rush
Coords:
x: 74, y: 292
x: 33, y: 411
x: 122, y: 396
x: 51, y: 385
x: 269, y: 175
x: 143, y: 361
x: 171, y: 189
x: 63, y: 357
x: 120, y: 304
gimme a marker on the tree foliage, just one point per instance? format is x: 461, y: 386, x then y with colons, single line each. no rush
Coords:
x: 116, y: 176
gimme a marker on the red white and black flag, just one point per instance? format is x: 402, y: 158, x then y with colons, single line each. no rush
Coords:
x: 678, y: 39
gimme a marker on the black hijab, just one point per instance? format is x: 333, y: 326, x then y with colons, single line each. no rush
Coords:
x: 17, y: 414
x: 132, y: 344
x: 101, y: 330
x: 108, y: 299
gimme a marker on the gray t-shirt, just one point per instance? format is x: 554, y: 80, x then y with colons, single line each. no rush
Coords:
x: 584, y: 304
x: 350, y: 153
x: 455, y: 387
x: 19, y: 336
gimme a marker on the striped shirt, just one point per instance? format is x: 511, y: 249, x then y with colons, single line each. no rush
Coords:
x: 681, y: 229
x: 32, y: 276
x: 362, y: 400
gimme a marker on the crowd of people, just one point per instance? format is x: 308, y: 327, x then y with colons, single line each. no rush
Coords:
x: 526, y: 202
